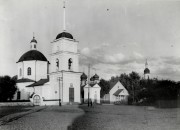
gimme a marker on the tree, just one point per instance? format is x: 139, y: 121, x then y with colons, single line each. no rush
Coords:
x: 154, y: 90
x: 105, y: 87
x: 125, y: 80
x: 7, y: 88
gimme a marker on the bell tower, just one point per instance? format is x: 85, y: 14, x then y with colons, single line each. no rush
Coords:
x: 65, y: 75
x: 146, y: 71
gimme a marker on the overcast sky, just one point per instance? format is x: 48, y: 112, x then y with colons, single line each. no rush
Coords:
x: 115, y: 36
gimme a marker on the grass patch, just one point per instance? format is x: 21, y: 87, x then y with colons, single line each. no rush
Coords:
x: 7, y: 110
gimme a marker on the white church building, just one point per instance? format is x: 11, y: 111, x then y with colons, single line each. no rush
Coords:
x: 51, y: 82
x: 61, y: 84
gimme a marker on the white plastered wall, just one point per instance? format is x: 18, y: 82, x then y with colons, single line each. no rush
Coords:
x: 66, y: 79
x: 64, y: 44
x: 25, y: 91
x: 95, y: 90
x: 38, y: 69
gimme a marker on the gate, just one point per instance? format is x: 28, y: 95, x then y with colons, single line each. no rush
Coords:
x: 71, y: 94
x: 36, y: 100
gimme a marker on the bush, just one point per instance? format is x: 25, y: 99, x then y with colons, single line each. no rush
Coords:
x: 7, y: 88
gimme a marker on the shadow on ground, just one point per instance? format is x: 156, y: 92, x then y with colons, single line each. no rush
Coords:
x: 83, y: 122
x: 117, y: 117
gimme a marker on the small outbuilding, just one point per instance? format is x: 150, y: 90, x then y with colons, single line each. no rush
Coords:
x: 92, y: 89
x: 118, y: 94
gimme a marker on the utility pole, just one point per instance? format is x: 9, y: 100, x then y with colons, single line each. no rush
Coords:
x: 59, y: 91
x: 88, y: 82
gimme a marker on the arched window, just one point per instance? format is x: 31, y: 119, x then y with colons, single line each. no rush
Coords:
x: 70, y: 64
x: 34, y: 46
x: 29, y: 71
x: 57, y: 63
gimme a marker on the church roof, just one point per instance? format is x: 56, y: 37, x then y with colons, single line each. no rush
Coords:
x: 24, y: 80
x: 64, y: 35
x: 96, y: 76
x: 118, y: 92
x: 39, y: 83
x: 146, y: 71
x: 92, y: 85
x: 32, y: 55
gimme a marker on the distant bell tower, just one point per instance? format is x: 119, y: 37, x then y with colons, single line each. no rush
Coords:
x: 146, y: 71
x: 33, y: 43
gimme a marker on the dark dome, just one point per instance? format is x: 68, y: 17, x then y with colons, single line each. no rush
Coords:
x: 32, y: 55
x: 34, y: 40
x: 96, y: 77
x: 64, y: 34
x: 92, y: 79
x: 146, y: 71
x: 83, y: 76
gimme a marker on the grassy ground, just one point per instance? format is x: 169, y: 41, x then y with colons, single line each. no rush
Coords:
x: 7, y: 110
x: 108, y: 117
x: 98, y: 117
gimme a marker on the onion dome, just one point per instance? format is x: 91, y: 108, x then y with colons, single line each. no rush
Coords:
x: 146, y: 71
x: 64, y: 35
x: 34, y: 40
x: 83, y: 76
x: 96, y: 77
x: 92, y: 79
x: 32, y: 55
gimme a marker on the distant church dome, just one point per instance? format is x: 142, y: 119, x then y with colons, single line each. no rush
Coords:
x: 96, y: 77
x: 146, y: 71
x: 64, y: 34
x: 32, y: 55
x: 34, y: 40
x: 83, y: 76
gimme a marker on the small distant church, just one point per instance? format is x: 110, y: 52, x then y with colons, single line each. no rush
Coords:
x: 90, y: 90
x: 54, y: 82
x: 146, y: 71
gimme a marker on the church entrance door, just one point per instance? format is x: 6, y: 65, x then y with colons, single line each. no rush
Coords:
x: 36, y: 100
x: 71, y: 94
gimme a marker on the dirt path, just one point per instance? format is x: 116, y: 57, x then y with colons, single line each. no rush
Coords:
x: 98, y: 118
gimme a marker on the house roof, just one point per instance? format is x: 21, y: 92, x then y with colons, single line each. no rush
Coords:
x: 24, y: 80
x: 92, y: 85
x: 118, y: 92
x: 38, y: 83
x: 112, y: 84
